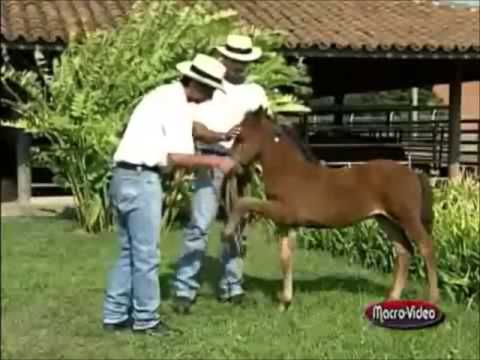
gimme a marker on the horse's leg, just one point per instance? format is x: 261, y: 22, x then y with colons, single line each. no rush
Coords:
x: 273, y: 210
x: 416, y: 231
x: 286, y: 247
x: 281, y: 215
x: 403, y: 250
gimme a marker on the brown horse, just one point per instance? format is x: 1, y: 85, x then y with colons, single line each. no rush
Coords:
x: 303, y: 193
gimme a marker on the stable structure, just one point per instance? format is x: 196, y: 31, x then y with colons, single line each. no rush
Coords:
x: 348, y: 46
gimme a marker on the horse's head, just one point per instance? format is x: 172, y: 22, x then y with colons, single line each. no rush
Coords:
x: 248, y: 145
x: 259, y: 134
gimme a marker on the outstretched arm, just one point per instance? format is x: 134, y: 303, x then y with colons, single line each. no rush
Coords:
x: 204, y: 134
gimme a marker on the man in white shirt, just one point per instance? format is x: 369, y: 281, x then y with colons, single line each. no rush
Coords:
x: 159, y: 135
x: 225, y: 110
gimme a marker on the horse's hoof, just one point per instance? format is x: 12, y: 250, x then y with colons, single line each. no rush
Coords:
x: 284, y: 306
x: 434, y: 299
x: 227, y: 236
x: 284, y: 303
x: 390, y: 298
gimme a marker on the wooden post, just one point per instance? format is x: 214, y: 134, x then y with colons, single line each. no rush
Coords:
x: 414, y: 113
x: 478, y: 148
x: 455, y: 115
x: 24, y: 175
x: 338, y: 120
x: 414, y: 103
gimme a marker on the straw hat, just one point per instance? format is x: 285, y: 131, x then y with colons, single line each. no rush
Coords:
x: 240, y: 48
x: 204, y: 69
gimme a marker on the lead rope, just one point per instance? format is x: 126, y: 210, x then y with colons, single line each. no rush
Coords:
x: 231, y: 196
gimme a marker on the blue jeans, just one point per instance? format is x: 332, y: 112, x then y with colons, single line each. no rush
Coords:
x: 204, y: 210
x: 133, y: 283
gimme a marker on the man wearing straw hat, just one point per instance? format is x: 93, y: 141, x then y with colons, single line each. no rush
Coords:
x: 224, y: 111
x: 159, y: 135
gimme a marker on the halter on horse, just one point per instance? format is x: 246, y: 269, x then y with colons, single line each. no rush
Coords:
x: 302, y: 193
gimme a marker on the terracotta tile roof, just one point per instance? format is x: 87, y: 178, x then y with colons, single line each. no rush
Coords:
x: 366, y: 24
x: 56, y: 21
x: 327, y: 24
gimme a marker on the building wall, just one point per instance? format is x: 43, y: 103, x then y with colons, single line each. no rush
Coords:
x: 470, y: 111
x: 470, y: 98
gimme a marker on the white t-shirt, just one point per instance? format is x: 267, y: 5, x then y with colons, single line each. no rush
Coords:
x: 160, y: 124
x: 225, y: 110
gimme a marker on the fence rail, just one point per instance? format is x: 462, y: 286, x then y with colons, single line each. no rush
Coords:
x: 425, y: 142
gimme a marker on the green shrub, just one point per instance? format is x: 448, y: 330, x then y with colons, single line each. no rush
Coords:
x: 101, y: 77
x: 455, y: 233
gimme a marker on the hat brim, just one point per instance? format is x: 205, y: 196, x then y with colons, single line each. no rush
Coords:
x: 184, y: 68
x: 252, y: 56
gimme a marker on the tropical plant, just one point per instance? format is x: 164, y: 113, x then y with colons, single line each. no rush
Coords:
x: 100, y: 77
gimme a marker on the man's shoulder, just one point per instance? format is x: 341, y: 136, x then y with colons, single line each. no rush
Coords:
x: 166, y: 97
x: 247, y: 85
x: 255, y: 95
x: 173, y: 88
x: 254, y: 90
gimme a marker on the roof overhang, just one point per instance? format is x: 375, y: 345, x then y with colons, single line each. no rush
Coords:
x: 31, y: 46
x: 382, y: 54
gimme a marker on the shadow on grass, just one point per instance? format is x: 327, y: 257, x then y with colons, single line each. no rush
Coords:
x: 67, y: 213
x: 210, y: 274
x: 320, y: 284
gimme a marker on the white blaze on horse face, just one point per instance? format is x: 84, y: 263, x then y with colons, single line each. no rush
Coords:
x: 276, y: 139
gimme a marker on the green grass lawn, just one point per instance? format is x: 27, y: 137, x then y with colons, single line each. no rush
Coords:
x: 52, y: 291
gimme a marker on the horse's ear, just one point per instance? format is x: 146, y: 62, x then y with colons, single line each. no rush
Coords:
x: 260, y: 113
x: 256, y: 115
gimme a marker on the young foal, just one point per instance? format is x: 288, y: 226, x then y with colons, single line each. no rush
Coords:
x: 303, y: 193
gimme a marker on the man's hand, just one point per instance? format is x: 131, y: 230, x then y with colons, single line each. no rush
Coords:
x: 226, y: 164
x: 233, y: 132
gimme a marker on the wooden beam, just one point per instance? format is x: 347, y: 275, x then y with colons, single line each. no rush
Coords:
x: 311, y: 52
x: 455, y: 117
x: 413, y: 114
x: 58, y: 46
x: 371, y: 108
x: 339, y: 98
x: 478, y: 149
x: 24, y: 174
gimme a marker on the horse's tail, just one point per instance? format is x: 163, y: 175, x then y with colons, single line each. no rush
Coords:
x: 427, y: 202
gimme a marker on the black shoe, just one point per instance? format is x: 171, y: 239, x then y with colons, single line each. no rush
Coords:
x: 182, y: 305
x: 161, y: 329
x: 235, y: 299
x: 123, y: 325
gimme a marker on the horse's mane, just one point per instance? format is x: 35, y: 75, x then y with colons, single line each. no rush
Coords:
x: 292, y: 134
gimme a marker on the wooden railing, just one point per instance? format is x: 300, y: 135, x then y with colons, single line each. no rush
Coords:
x: 470, y: 143
x: 424, y: 144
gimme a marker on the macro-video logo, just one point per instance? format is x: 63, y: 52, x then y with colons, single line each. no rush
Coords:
x: 404, y: 314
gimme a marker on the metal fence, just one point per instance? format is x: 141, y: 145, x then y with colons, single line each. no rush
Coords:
x: 421, y: 142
